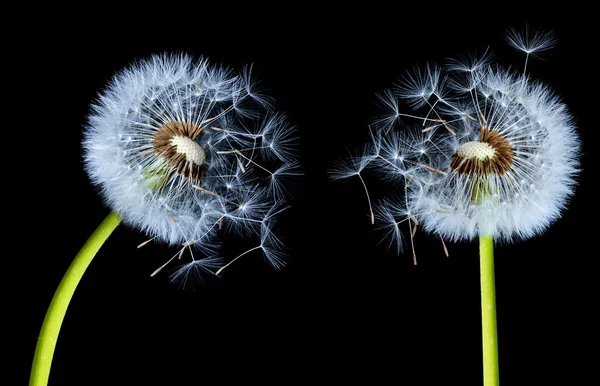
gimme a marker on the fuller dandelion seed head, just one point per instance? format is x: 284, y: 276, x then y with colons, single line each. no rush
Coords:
x: 183, y: 150
x: 486, y: 150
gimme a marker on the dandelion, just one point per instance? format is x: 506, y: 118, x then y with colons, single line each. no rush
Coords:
x: 183, y: 151
x: 489, y: 153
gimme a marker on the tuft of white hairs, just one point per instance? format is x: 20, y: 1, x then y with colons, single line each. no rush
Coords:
x: 249, y: 150
x: 412, y: 151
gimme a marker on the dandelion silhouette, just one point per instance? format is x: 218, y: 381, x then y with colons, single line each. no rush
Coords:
x: 488, y: 153
x: 183, y: 151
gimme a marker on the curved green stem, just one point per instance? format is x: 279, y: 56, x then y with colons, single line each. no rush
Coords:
x: 488, y: 312
x: 44, y: 351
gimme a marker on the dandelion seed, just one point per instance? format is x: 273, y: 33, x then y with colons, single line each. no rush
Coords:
x: 192, y: 273
x: 145, y: 243
x: 433, y: 170
x: 157, y: 270
x: 445, y: 248
x: 235, y: 258
x: 530, y: 42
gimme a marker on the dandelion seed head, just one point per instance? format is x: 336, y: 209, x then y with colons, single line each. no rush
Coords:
x: 489, y: 151
x: 184, y: 150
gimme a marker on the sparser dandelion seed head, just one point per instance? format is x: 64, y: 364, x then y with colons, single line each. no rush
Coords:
x: 183, y: 149
x: 487, y: 151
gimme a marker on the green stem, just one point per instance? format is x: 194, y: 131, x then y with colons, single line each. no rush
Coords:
x: 488, y: 312
x: 44, y: 351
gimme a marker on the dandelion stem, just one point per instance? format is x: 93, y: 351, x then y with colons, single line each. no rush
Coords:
x: 488, y: 312
x: 44, y: 351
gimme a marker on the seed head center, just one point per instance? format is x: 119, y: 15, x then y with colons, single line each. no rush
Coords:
x: 492, y: 154
x: 176, y: 143
x: 476, y: 149
x: 191, y: 149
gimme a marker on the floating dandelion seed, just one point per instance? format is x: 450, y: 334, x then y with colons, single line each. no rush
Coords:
x: 184, y: 150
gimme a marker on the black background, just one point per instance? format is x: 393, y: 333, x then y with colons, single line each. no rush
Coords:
x: 344, y: 308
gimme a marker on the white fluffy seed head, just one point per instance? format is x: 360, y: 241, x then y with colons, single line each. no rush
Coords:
x: 491, y: 151
x: 177, y: 145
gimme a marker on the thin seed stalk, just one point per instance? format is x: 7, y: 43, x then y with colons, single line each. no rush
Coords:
x: 488, y: 312
x: 44, y: 351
